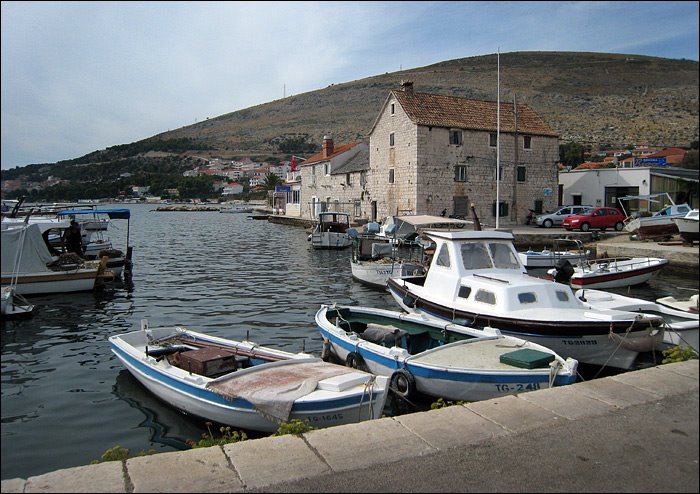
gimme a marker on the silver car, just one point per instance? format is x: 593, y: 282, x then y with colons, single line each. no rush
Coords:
x: 548, y: 220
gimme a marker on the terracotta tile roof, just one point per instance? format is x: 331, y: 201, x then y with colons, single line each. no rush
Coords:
x: 592, y: 165
x: 450, y: 111
x: 668, y: 152
x: 336, y: 151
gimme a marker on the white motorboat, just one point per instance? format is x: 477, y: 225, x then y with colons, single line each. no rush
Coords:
x: 476, y: 279
x: 548, y: 258
x: 688, y: 226
x: 614, y: 272
x: 681, y: 326
x: 331, y: 231
x: 437, y: 358
x: 245, y: 385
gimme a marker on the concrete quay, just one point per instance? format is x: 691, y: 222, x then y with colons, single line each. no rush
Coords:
x: 631, y: 432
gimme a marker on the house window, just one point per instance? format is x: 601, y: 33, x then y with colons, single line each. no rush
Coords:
x: 347, y: 179
x: 527, y: 142
x: 461, y: 173
x: 503, y: 209
x: 391, y: 139
x: 391, y: 175
x: 327, y: 168
x: 493, y: 140
x: 456, y: 137
x: 392, y: 108
x: 295, y: 197
x: 521, y: 173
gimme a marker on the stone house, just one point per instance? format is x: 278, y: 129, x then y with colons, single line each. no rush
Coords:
x: 430, y: 153
x: 332, y: 180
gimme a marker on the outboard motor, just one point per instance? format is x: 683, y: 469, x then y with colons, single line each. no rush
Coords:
x: 563, y: 271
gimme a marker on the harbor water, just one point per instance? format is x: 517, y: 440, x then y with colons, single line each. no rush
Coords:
x: 66, y: 399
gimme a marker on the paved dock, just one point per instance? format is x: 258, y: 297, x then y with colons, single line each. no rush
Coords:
x: 631, y: 432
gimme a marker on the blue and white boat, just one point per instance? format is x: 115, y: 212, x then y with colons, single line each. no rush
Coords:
x: 438, y: 358
x: 245, y: 385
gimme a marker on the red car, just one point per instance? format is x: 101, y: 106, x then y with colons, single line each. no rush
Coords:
x: 600, y: 218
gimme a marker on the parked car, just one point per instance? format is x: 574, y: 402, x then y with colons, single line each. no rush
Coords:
x: 548, y: 220
x: 600, y: 218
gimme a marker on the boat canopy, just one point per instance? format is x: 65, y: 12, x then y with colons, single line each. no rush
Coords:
x: 119, y: 214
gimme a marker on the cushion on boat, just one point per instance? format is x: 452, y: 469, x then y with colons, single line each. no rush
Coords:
x: 526, y: 358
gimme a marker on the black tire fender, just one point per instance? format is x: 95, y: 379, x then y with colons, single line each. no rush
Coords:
x: 403, y: 383
x: 355, y: 361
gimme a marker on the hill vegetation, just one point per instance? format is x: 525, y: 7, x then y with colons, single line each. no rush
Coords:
x: 592, y: 99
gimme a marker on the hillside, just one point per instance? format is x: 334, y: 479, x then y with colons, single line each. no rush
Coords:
x: 589, y: 98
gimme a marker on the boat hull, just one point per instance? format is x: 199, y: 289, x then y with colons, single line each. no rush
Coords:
x: 81, y: 280
x: 617, y: 274
x: 375, y: 274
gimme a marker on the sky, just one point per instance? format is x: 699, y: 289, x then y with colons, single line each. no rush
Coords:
x: 78, y: 77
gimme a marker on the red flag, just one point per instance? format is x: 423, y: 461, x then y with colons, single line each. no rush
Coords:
x: 294, y: 163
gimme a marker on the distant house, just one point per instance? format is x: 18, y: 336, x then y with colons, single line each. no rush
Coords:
x: 323, y: 185
x: 232, y: 189
x: 430, y: 153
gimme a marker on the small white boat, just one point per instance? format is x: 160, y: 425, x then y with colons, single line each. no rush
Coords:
x: 376, y: 258
x: 688, y: 226
x: 608, y: 273
x: 659, y: 224
x: 691, y: 304
x: 438, y: 358
x: 547, y: 258
x: 14, y: 305
x: 245, y: 385
x: 681, y: 326
x: 331, y: 231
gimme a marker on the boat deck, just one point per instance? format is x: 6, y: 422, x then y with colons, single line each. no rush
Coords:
x: 487, y: 355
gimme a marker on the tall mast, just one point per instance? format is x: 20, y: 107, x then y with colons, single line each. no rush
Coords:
x: 498, y: 143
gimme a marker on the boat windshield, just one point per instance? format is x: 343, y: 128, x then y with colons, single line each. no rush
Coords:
x: 487, y: 255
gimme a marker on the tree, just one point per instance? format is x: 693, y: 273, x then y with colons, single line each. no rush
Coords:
x: 571, y: 154
x: 271, y: 181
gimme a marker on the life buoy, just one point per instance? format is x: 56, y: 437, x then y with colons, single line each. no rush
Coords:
x: 403, y: 383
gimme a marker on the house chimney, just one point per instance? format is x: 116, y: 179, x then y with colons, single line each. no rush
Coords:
x: 327, y: 146
x: 407, y: 87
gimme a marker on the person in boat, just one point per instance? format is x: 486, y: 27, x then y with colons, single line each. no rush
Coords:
x: 72, y: 240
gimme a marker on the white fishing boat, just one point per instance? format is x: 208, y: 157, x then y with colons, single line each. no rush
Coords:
x: 476, y: 279
x: 440, y: 359
x: 331, y: 231
x: 688, y: 226
x: 376, y: 258
x: 616, y: 272
x: 245, y: 385
x: 28, y: 265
